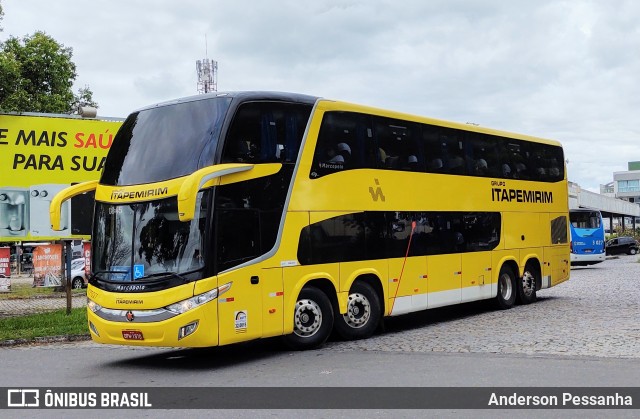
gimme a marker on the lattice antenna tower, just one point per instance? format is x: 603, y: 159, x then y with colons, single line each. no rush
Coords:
x: 207, y: 71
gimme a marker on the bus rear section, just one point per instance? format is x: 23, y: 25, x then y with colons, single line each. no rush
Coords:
x: 587, y: 237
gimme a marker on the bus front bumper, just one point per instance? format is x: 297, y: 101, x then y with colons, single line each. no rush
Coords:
x: 195, y: 328
x: 587, y: 258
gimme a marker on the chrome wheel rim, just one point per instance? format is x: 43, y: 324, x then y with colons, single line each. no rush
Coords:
x: 358, y: 311
x: 506, y: 287
x: 307, y: 318
x: 528, y: 283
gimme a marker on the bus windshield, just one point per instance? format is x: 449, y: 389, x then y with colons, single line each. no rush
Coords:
x: 587, y: 237
x: 169, y: 141
x: 585, y: 219
x: 146, y: 240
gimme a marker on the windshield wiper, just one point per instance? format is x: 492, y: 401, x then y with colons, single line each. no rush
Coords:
x: 167, y: 273
x: 143, y: 279
x: 96, y: 273
x: 110, y: 272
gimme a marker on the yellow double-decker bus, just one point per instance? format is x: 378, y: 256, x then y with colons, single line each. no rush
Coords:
x: 226, y: 217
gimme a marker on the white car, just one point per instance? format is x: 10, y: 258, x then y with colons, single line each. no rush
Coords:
x: 78, y: 277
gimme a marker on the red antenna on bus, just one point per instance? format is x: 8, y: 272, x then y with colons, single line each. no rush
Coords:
x: 406, y: 255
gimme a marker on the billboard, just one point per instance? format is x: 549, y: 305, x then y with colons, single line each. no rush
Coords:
x: 5, y: 269
x: 40, y: 155
x: 47, y: 266
x: 5, y: 264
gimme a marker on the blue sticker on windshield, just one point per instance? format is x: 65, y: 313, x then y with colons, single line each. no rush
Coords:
x: 120, y: 273
x: 138, y: 271
x: 123, y: 273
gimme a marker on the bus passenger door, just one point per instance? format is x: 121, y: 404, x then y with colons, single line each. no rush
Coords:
x: 240, y: 309
x: 476, y: 276
x: 444, y: 279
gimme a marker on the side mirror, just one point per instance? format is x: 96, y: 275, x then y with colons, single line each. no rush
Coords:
x: 65, y: 194
x: 222, y: 174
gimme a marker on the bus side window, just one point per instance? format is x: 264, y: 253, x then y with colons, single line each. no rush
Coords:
x: 268, y: 138
x: 290, y: 120
x: 483, y: 155
x: 242, y: 142
x: 344, y: 143
x: 452, y: 146
x: 548, y: 162
x: 292, y: 138
x: 559, y: 230
x: 398, y: 146
x: 433, y: 150
x: 265, y: 132
x: 517, y: 154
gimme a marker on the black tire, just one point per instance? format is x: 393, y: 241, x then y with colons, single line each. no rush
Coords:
x: 506, y: 289
x: 363, y: 313
x: 77, y: 283
x: 312, y: 320
x: 632, y: 251
x: 527, y: 285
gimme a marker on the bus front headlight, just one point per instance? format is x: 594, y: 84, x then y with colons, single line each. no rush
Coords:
x: 195, y: 301
x: 93, y: 306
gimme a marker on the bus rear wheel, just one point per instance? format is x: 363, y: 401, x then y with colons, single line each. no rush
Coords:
x: 312, y: 320
x: 363, y: 313
x: 506, y: 289
x: 527, y: 286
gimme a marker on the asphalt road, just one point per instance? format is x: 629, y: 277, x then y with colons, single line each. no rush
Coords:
x: 582, y: 333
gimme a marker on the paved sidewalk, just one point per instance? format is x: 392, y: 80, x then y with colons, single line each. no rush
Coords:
x: 20, y: 306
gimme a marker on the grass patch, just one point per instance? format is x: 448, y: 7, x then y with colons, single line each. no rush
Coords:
x: 53, y: 323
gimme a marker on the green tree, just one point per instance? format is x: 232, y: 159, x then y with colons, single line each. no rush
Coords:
x: 84, y: 98
x: 37, y: 75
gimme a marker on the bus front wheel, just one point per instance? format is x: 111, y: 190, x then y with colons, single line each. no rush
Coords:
x: 506, y: 288
x: 363, y: 313
x: 312, y: 320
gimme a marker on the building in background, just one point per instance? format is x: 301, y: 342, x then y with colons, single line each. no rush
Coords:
x: 625, y: 186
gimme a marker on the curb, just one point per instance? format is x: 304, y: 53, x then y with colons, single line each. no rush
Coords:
x: 43, y: 340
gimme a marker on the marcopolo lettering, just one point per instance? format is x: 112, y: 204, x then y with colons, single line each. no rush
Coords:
x: 124, y: 288
x: 521, y: 195
x: 148, y: 193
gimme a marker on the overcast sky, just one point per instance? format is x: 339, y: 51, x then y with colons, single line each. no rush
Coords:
x: 565, y: 70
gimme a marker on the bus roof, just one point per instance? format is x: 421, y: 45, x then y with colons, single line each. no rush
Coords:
x: 330, y: 104
x: 244, y: 96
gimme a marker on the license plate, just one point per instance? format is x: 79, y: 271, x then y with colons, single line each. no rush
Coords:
x: 132, y: 335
